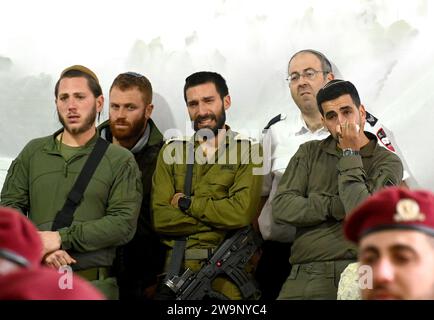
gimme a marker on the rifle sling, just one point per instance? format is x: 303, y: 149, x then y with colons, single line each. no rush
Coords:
x: 65, y: 216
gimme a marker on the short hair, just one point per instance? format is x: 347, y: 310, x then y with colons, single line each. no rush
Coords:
x: 325, y: 63
x: 333, y: 90
x: 203, y: 77
x: 92, y: 83
x: 131, y: 80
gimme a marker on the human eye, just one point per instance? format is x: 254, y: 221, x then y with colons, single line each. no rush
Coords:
x: 309, y: 73
x: 192, y: 104
x: 114, y: 106
x: 331, y: 116
x: 402, y: 258
x: 368, y: 258
x: 131, y: 108
x: 294, y: 76
x: 63, y: 97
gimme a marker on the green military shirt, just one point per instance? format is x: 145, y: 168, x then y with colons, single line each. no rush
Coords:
x: 225, y: 194
x: 40, y: 179
x: 319, y: 187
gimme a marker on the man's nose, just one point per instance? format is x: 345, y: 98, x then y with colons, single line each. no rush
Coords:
x: 71, y: 104
x: 341, y: 119
x: 383, y: 272
x: 122, y: 113
x: 202, y: 109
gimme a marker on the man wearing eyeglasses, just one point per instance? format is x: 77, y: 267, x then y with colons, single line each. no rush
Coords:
x: 130, y: 125
x: 308, y: 71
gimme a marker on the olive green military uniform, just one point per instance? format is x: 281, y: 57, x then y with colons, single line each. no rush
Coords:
x: 41, y: 177
x: 317, y: 190
x: 225, y: 194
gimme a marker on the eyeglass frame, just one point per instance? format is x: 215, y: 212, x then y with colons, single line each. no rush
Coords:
x: 304, y: 75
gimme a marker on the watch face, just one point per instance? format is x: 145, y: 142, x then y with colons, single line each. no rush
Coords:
x: 347, y: 152
x: 184, y: 203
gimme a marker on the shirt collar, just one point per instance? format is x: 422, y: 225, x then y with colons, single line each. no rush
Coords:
x: 142, y: 141
x: 302, y: 127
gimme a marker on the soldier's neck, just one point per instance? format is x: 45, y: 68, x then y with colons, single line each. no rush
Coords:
x: 209, y: 146
x: 77, y: 139
x: 128, y: 143
x: 313, y: 121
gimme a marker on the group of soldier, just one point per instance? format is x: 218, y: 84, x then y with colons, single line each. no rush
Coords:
x: 122, y: 206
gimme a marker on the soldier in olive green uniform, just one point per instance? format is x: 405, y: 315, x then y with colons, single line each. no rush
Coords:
x: 323, y: 182
x: 41, y: 178
x: 225, y: 191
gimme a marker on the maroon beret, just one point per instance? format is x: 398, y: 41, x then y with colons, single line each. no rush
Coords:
x: 43, y: 284
x: 19, y: 238
x: 392, y: 208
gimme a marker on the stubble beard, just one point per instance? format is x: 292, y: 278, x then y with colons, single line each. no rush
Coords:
x: 89, y: 121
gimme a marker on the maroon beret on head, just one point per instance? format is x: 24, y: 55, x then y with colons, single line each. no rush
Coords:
x: 19, y: 239
x: 392, y: 208
x: 43, y: 284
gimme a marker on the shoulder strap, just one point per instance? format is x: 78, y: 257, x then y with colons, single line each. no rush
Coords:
x: 189, y: 173
x: 65, y: 216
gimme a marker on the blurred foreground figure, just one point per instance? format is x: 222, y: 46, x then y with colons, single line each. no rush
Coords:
x: 395, y: 233
x: 21, y: 275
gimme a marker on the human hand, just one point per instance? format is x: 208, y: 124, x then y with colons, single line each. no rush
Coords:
x: 175, y: 199
x: 350, y: 135
x: 58, y: 259
x: 50, y: 241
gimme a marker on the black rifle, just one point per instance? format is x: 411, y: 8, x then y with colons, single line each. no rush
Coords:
x: 229, y: 259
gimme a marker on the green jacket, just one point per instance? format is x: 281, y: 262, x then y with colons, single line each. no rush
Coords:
x: 225, y: 194
x: 142, y: 259
x: 39, y: 180
x: 319, y: 187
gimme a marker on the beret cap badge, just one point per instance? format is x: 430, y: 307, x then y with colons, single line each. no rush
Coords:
x: 408, y: 210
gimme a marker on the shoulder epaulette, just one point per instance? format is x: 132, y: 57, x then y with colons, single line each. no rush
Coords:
x: 275, y: 120
x: 371, y: 119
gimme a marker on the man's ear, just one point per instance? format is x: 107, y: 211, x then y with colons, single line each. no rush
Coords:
x: 227, y: 102
x: 330, y: 76
x: 148, y: 110
x: 362, y: 111
x: 99, y: 103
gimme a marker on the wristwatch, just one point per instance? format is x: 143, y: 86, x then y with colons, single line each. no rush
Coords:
x: 350, y: 152
x: 184, y: 203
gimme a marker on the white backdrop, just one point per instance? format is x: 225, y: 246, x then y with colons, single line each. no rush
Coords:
x: 384, y: 47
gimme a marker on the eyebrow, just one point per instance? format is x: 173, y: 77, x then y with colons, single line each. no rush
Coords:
x: 370, y: 249
x: 393, y: 248
x: 345, y: 108
x: 310, y: 68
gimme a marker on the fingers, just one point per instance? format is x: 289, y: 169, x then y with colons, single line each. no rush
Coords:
x: 175, y: 199
x: 58, y: 259
x: 347, y: 128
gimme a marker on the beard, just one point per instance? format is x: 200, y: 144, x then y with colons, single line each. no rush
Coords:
x: 89, y: 121
x: 219, y: 120
x: 132, y: 131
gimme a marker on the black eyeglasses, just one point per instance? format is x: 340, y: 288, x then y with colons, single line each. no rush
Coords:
x: 309, y: 74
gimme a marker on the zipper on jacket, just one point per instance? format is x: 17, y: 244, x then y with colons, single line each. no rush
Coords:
x: 65, y: 169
